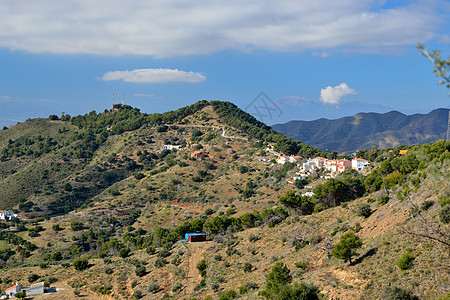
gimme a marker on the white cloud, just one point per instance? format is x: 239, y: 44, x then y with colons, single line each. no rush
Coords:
x: 154, y: 76
x: 165, y: 28
x: 150, y: 96
x: 332, y: 95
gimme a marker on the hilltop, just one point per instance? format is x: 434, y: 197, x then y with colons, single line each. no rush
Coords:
x: 105, y: 198
x: 364, y: 130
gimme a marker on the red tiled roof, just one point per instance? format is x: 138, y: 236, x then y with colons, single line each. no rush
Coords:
x: 11, y: 288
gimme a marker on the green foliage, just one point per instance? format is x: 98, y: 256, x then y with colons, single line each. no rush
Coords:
x: 396, y: 293
x: 33, y: 277
x: 427, y: 204
x: 20, y: 295
x: 364, y: 210
x: 302, y: 205
x: 201, y: 267
x: 124, y: 252
x: 248, y: 267
x: 76, y: 225
x: 444, y: 214
x: 335, y: 191
x: 81, y: 263
x: 406, y: 261
x: 346, y: 248
x: 441, y: 66
x: 141, y: 271
x: 228, y: 295
x: 237, y: 118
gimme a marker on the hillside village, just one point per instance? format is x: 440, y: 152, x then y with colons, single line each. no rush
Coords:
x: 125, y: 215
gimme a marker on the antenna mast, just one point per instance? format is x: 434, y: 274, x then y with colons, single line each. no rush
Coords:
x: 112, y: 102
x: 122, y: 98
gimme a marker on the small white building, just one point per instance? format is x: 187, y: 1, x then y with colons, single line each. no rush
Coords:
x: 6, y: 215
x: 358, y: 164
x: 284, y: 159
x: 35, y: 289
x: 10, y: 292
x: 171, y: 147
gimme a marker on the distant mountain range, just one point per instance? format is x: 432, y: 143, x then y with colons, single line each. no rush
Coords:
x: 364, y: 130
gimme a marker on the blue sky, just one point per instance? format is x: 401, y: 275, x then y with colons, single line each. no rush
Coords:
x: 312, y: 59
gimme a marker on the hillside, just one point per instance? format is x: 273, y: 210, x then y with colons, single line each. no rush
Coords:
x: 364, y: 130
x: 103, y: 207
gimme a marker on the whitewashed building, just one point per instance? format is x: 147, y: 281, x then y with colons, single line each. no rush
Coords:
x: 359, y: 164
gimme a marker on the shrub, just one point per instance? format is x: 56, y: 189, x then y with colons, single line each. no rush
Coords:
x: 253, y: 238
x: 56, y: 227
x: 108, y: 270
x: 138, y: 176
x: 81, y: 263
x: 160, y: 262
x: 137, y: 294
x: 393, y: 292
x: 153, y: 287
x: 33, y: 277
x: 76, y: 225
x: 383, y: 200
x: 124, y: 252
x: 76, y: 292
x: 141, y: 271
x: 427, y: 204
x: 227, y: 295
x: 364, y: 210
x: 406, y: 261
x: 444, y: 214
x: 346, y: 248
x: 248, y: 267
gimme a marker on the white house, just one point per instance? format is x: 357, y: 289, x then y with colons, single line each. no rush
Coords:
x: 6, y: 215
x: 314, y: 163
x: 35, y: 289
x: 171, y: 147
x: 284, y: 159
x: 10, y: 292
x: 358, y: 164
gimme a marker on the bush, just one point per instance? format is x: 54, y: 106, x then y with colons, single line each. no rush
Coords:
x: 248, y: 267
x: 406, y: 261
x: 444, y: 214
x: 33, y: 277
x: 383, y: 200
x: 160, y: 262
x: 81, y: 263
x: 227, y: 295
x: 76, y: 225
x: 137, y: 294
x: 141, y: 271
x: 397, y: 293
x: 124, y: 252
x: 427, y: 204
x: 108, y: 270
x: 364, y: 210
x: 153, y: 287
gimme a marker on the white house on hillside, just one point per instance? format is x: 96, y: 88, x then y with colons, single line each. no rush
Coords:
x: 358, y: 164
x: 6, y: 215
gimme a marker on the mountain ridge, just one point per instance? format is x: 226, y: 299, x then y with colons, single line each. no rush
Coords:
x: 364, y: 130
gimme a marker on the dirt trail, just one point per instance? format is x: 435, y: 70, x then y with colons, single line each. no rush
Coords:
x: 193, y: 277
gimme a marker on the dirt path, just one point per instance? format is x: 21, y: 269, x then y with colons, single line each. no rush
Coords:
x: 193, y: 274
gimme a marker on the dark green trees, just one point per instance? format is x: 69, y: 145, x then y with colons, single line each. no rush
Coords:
x: 278, y: 286
x: 302, y: 205
x: 346, y: 248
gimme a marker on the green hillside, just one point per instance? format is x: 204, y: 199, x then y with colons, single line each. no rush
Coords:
x: 103, y: 206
